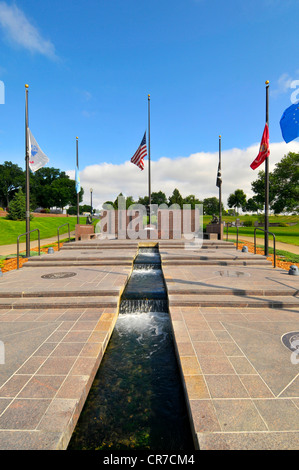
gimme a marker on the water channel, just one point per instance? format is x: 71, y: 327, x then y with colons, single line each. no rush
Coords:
x: 137, y: 401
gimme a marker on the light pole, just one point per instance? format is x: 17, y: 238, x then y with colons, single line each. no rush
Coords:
x: 91, y: 201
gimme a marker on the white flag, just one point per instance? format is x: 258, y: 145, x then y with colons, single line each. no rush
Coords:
x: 37, y: 158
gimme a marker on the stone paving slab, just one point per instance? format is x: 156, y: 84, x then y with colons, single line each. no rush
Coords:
x: 54, y: 342
x: 94, y: 280
x: 230, y: 279
x: 44, y: 386
x: 242, y: 389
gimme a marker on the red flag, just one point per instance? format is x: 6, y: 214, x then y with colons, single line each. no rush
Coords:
x: 264, y: 149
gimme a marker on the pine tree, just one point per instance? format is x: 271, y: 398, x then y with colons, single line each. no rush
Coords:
x: 17, y: 207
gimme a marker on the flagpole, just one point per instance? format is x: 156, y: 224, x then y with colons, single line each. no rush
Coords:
x: 27, y: 176
x: 266, y: 248
x: 77, y: 166
x: 220, y: 195
x: 149, y: 159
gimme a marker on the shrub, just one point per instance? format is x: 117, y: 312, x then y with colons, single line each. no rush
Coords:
x: 248, y: 223
x: 17, y: 207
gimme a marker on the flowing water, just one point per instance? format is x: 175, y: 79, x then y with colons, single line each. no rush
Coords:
x: 137, y: 400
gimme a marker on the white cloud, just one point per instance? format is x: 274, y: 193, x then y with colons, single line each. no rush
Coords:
x: 20, y: 31
x: 195, y: 174
x: 284, y: 85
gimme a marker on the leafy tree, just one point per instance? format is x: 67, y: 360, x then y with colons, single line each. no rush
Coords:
x: 144, y: 201
x: 50, y: 187
x: 17, y: 207
x: 192, y: 200
x: 283, y: 185
x: 286, y: 184
x: 237, y: 199
x: 158, y: 198
x: 107, y: 204
x: 252, y: 205
x: 176, y: 198
x: 211, y: 205
x: 258, y: 187
x: 12, y: 177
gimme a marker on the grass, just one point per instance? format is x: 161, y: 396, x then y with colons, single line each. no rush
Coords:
x: 288, y: 234
x: 11, y: 229
x: 285, y: 255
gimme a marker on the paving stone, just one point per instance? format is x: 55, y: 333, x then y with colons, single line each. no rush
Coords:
x: 241, y: 387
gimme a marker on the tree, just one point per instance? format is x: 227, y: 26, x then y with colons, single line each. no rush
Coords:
x: 176, y: 198
x: 237, y: 199
x: 258, y: 187
x: 283, y: 185
x: 107, y: 205
x: 211, y: 206
x: 252, y: 205
x: 17, y: 207
x: 144, y: 201
x: 192, y: 200
x: 286, y: 184
x: 158, y: 198
x: 12, y: 177
x: 50, y: 187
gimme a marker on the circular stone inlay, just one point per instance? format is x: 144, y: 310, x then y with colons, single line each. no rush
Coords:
x: 228, y: 273
x: 58, y: 275
x: 291, y: 340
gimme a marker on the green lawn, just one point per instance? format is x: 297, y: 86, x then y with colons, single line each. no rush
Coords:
x: 11, y: 229
x: 288, y: 234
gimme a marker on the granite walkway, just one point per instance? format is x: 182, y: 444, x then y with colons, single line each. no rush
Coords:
x: 229, y: 312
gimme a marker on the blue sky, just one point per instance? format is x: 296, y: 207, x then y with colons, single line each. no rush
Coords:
x: 90, y: 66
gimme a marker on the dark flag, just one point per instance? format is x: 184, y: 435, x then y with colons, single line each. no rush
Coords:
x: 289, y: 123
x: 140, y: 153
x: 264, y: 149
x: 219, y: 180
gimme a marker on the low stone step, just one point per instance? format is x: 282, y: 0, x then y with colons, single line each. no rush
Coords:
x: 60, y: 293
x: 54, y: 302
x: 233, y: 301
x: 212, y: 256
x: 216, y: 262
x: 97, y: 246
x: 227, y: 245
x: 83, y: 262
x: 213, y: 291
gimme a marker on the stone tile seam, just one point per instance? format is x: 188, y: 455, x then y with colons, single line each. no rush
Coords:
x: 248, y: 432
x: 257, y: 373
x: 185, y: 385
x: 216, y: 414
x: 287, y: 386
x: 46, y: 357
x: 76, y: 409
x: 246, y: 399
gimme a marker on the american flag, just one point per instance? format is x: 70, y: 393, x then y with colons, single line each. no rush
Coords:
x: 140, y: 153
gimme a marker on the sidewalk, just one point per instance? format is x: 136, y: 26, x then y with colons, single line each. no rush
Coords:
x: 260, y: 241
x: 6, y: 250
